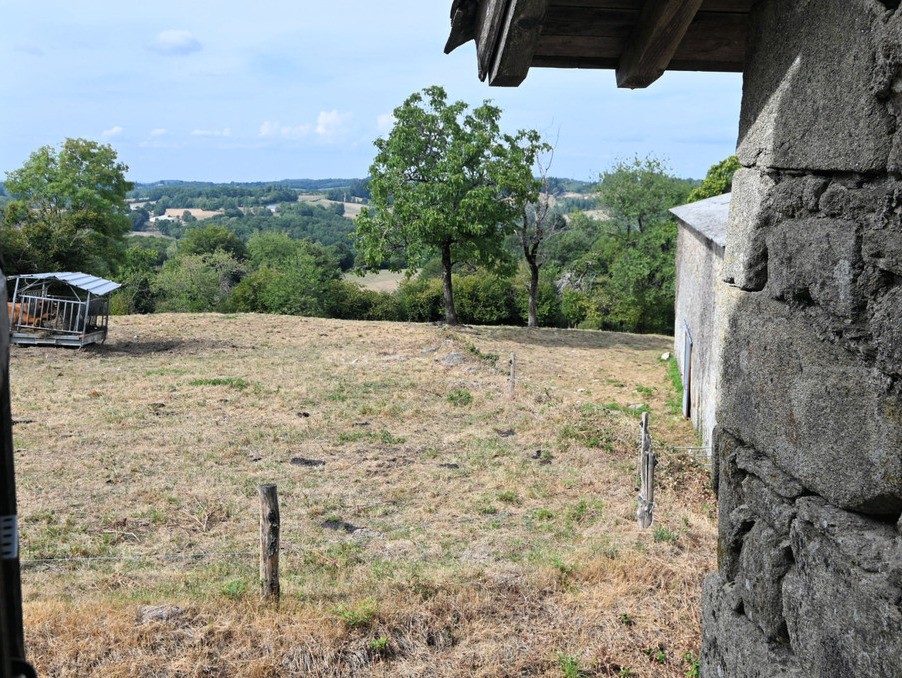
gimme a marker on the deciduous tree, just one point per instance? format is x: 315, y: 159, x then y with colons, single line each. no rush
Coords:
x: 718, y: 181
x: 446, y: 182
x: 69, y: 211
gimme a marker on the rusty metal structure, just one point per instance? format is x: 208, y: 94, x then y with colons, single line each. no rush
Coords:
x: 59, y: 309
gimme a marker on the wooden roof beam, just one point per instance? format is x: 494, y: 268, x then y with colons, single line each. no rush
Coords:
x: 658, y: 33
x: 506, y: 37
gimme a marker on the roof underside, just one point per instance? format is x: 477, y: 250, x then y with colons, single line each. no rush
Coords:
x: 640, y: 39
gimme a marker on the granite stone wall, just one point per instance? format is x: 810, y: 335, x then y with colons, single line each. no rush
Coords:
x: 809, y: 439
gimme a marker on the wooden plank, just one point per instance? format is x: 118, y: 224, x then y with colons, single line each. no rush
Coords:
x: 715, y: 38
x: 581, y: 47
x: 661, y: 27
x: 519, y: 34
x: 488, y: 29
x: 610, y: 63
x: 589, y: 22
x: 714, y: 42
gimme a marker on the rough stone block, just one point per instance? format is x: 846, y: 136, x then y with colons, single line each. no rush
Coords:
x: 820, y: 413
x: 842, y: 620
x: 816, y: 261
x: 734, y: 518
x: 765, y: 559
x: 734, y: 647
x: 885, y: 314
x: 807, y: 103
x: 757, y: 464
x: 745, y: 257
x: 883, y: 248
x: 767, y: 505
x: 871, y: 545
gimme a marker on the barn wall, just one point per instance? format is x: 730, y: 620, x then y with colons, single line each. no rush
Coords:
x: 809, y: 437
x: 698, y: 275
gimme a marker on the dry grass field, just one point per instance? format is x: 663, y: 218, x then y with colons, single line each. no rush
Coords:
x: 380, y: 281
x: 199, y: 214
x: 432, y: 525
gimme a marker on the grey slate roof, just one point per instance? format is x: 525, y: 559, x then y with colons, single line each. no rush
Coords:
x: 83, y: 281
x: 707, y: 217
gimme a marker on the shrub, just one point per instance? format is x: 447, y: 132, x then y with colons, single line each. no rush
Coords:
x: 483, y: 298
x: 422, y: 299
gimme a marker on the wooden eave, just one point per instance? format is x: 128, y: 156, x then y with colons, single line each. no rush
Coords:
x: 639, y: 39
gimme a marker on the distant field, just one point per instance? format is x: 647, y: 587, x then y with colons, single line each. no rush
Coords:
x: 381, y: 281
x: 432, y: 524
x: 352, y: 209
x: 199, y: 214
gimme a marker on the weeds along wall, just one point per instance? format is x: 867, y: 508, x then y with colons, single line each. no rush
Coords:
x: 809, y: 438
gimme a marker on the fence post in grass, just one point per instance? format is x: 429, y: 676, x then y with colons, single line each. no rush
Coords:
x: 269, y: 542
x: 512, y: 382
x: 647, y: 462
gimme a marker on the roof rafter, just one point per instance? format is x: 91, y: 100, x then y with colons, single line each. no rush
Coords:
x: 661, y: 27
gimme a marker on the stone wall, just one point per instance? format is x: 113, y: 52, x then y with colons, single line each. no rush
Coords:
x: 809, y: 440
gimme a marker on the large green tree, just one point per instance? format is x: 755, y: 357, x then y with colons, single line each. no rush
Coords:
x: 626, y: 279
x: 446, y: 182
x: 718, y: 181
x: 68, y: 210
x: 637, y: 192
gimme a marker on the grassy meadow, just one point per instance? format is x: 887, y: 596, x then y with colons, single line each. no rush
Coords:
x: 432, y: 523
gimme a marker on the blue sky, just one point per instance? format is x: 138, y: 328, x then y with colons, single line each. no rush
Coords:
x: 230, y: 91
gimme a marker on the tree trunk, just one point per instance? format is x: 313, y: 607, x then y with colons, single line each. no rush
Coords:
x: 450, y: 313
x: 533, y: 292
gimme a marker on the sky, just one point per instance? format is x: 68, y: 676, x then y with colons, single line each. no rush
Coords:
x: 278, y: 89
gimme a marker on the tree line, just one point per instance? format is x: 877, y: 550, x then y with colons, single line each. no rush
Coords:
x: 471, y: 213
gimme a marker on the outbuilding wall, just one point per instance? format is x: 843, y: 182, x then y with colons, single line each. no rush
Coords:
x: 699, y: 261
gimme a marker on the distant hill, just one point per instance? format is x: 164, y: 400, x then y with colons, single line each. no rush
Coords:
x: 141, y: 189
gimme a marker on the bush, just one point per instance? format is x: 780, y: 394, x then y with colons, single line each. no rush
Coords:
x: 422, y: 299
x: 483, y: 298
x: 350, y: 301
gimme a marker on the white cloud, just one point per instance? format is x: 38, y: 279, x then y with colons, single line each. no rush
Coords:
x: 111, y: 132
x: 330, y: 124
x: 225, y: 132
x: 158, y: 132
x: 385, y: 122
x: 272, y: 128
x: 175, y: 42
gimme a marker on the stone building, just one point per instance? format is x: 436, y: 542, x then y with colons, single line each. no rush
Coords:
x: 698, y: 331
x: 808, y: 443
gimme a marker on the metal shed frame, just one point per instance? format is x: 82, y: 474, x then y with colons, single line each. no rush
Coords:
x: 59, y: 309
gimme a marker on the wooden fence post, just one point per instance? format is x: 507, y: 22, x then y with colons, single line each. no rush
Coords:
x: 512, y: 383
x: 647, y: 462
x: 269, y: 542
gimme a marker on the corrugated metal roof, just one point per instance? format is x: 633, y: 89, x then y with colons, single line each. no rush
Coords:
x: 707, y: 217
x: 83, y: 281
